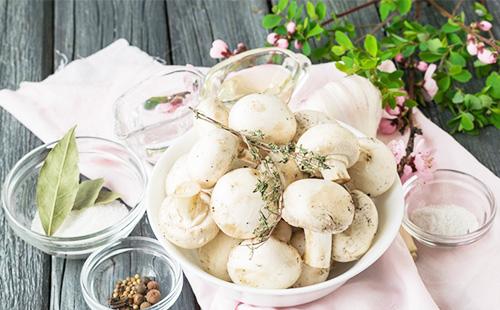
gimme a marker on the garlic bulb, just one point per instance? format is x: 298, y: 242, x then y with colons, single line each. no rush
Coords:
x: 353, y: 100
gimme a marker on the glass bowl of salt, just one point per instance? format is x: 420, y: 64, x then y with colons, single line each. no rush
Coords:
x: 450, y: 209
x: 86, y: 230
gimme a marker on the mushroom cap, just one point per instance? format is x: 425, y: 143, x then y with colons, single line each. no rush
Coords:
x: 331, y: 139
x: 265, y: 113
x: 211, y: 157
x: 289, y: 170
x: 213, y: 109
x: 311, y: 275
x: 310, y: 118
x: 298, y: 241
x: 186, y: 221
x: 355, y: 241
x: 214, y: 255
x: 282, y: 231
x: 272, y: 264
x: 317, y: 205
x: 236, y: 207
x: 375, y: 171
x: 177, y: 175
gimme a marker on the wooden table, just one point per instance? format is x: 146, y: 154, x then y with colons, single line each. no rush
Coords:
x: 37, y: 36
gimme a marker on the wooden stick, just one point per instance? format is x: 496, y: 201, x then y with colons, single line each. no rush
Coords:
x: 410, y: 244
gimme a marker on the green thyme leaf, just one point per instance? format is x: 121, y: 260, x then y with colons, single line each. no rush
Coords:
x: 87, y: 193
x: 57, y: 184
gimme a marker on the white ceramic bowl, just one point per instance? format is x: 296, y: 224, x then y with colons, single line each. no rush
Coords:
x: 390, y: 207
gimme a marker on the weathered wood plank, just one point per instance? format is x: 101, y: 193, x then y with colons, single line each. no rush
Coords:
x: 194, y: 24
x: 24, y: 271
x: 486, y: 146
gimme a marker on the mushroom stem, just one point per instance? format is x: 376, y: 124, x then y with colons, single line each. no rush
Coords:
x: 337, y: 170
x: 318, y: 249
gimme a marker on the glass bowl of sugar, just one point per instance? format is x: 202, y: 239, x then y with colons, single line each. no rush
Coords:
x: 450, y: 209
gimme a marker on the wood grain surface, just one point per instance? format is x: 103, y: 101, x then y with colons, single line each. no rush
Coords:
x: 37, y: 36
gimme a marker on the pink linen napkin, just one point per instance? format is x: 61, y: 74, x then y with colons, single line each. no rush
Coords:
x: 466, y: 278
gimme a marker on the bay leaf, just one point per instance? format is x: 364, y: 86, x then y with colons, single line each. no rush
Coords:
x: 57, y: 184
x: 106, y: 196
x: 88, y: 191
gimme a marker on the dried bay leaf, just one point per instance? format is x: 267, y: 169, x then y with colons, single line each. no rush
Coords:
x: 57, y: 184
x: 88, y: 191
x: 106, y: 196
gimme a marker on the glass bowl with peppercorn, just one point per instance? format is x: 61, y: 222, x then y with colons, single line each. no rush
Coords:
x: 133, y: 273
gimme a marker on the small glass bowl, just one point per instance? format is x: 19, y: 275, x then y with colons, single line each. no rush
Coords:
x: 124, y: 258
x: 122, y: 171
x: 150, y: 129
x: 449, y: 187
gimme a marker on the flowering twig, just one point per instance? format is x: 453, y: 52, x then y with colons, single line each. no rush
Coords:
x: 350, y: 11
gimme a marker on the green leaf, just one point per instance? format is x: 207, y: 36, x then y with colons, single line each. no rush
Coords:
x: 410, y: 103
x: 493, y: 81
x: 486, y: 101
x: 408, y: 50
x: 467, y: 121
x: 458, y: 97
x: 87, y: 193
x: 371, y: 45
x: 450, y: 28
x: 472, y: 102
x: 457, y: 59
x: 270, y: 21
x: 306, y: 48
x: 343, y: 40
x: 385, y: 8
x: 463, y: 76
x: 495, y: 120
x: 321, y: 10
x: 429, y: 57
x: 316, y: 30
x: 338, y: 50
x: 106, y: 196
x: 57, y: 183
x: 404, y: 6
x: 434, y: 45
x: 281, y: 30
x: 454, y: 70
x: 282, y: 5
x: 444, y: 83
x: 152, y: 102
x: 311, y: 10
x: 292, y: 10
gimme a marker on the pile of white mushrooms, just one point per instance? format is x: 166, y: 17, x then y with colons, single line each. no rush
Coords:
x: 219, y: 196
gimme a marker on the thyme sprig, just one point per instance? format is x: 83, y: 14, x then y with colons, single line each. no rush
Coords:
x: 270, y: 182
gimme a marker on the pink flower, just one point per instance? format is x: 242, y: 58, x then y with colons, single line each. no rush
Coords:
x: 290, y: 27
x: 272, y: 38
x: 471, y: 48
x: 422, y: 159
x: 282, y: 43
x: 387, y: 66
x: 219, y: 49
x: 297, y: 44
x: 430, y: 85
x: 398, y: 149
x: 390, y: 113
x: 399, y: 57
x: 407, y: 173
x: 422, y: 66
x: 400, y: 100
x: 240, y: 48
x: 484, y: 25
x: 387, y: 126
x: 486, y: 56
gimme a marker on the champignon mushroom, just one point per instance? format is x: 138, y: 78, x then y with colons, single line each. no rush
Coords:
x: 211, y: 157
x: 266, y: 114
x: 289, y: 170
x: 352, y: 243
x: 282, y: 231
x: 309, y: 275
x: 177, y: 175
x: 322, y: 208
x: 375, y: 171
x: 214, y: 255
x: 236, y: 206
x: 335, y: 142
x: 272, y: 264
x: 309, y: 118
x: 185, y: 218
x: 213, y: 109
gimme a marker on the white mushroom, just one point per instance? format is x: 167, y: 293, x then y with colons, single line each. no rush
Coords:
x: 177, y: 175
x: 352, y: 243
x: 375, y: 171
x: 309, y: 118
x: 185, y: 219
x: 322, y: 208
x: 282, y: 231
x: 335, y: 142
x: 214, y: 255
x: 236, y: 206
x: 309, y: 275
x: 272, y: 264
x: 211, y: 157
x: 265, y: 114
x: 213, y: 109
x: 289, y: 170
